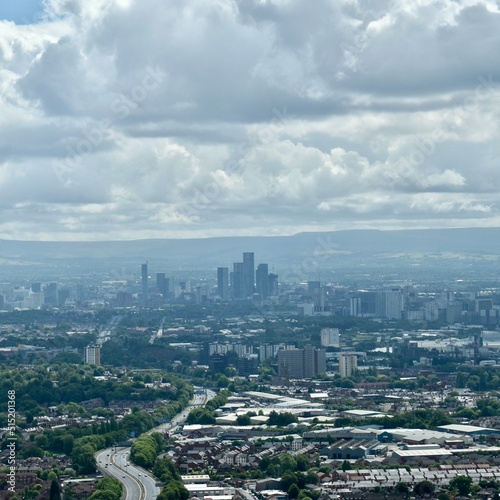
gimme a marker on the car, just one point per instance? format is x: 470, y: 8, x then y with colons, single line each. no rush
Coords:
x: 123, y: 476
x: 140, y: 474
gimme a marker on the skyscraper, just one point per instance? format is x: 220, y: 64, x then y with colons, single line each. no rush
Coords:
x: 237, y: 281
x: 223, y: 282
x: 273, y: 285
x: 144, y: 276
x: 162, y: 283
x: 262, y: 280
x: 50, y: 293
x: 248, y: 274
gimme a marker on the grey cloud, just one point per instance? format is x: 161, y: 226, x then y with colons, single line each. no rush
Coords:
x: 285, y: 115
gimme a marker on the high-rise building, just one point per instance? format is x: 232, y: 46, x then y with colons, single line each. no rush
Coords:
x: 291, y: 363
x: 355, y: 306
x: 34, y: 300
x: 330, y: 337
x: 223, y: 282
x: 237, y: 289
x: 389, y: 304
x: 248, y: 274
x: 62, y: 297
x: 301, y: 363
x: 162, y: 283
x: 273, y: 285
x: 262, y: 280
x: 2, y: 302
x: 93, y: 355
x: 348, y: 363
x: 124, y: 299
x: 36, y: 287
x: 144, y: 282
x: 50, y: 293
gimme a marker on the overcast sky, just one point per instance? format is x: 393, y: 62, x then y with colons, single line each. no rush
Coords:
x: 127, y: 119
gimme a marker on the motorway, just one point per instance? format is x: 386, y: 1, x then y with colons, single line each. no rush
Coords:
x: 106, y: 333
x: 137, y: 483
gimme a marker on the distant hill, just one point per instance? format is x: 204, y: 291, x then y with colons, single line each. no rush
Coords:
x: 208, y: 253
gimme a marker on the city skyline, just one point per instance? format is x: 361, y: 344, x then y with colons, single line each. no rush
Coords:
x: 274, y: 118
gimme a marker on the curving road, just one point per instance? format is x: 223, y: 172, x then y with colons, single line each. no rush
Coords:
x: 137, y: 483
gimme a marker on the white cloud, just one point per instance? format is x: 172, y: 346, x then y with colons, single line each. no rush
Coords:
x: 129, y: 119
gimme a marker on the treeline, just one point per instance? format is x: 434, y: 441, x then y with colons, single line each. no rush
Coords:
x: 145, y: 449
x: 174, y: 488
x: 478, y: 378
x: 51, y: 385
x: 108, y: 488
x: 145, y: 452
x: 206, y: 415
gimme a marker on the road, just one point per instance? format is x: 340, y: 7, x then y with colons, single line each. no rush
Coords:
x: 137, y: 483
x: 159, y: 333
x: 106, y: 333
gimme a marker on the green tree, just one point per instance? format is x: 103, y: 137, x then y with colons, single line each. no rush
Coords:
x: 424, y: 488
x: 293, y: 491
x: 55, y: 490
x: 462, y: 484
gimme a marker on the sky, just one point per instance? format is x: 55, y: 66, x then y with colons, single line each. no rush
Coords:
x: 131, y: 119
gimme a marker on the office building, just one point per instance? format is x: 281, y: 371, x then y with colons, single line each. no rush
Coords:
x: 248, y: 274
x: 301, y: 363
x: 237, y: 289
x: 348, y: 363
x: 50, y: 294
x: 389, y: 304
x: 93, y: 355
x: 124, y: 299
x: 163, y: 284
x: 223, y: 282
x: 273, y: 285
x: 62, y: 297
x: 262, y: 280
x: 34, y: 300
x: 355, y: 306
x: 144, y: 282
x: 248, y: 365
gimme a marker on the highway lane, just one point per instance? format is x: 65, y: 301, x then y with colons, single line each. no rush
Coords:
x: 137, y: 483
x: 106, y: 463
x: 107, y: 332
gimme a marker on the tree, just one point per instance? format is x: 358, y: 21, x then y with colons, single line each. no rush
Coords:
x: 424, y: 488
x: 293, y: 491
x: 175, y: 490
x: 462, y: 484
x: 345, y: 465
x: 443, y: 496
x: 55, y: 490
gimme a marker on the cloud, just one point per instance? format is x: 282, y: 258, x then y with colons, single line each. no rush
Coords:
x: 130, y: 119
